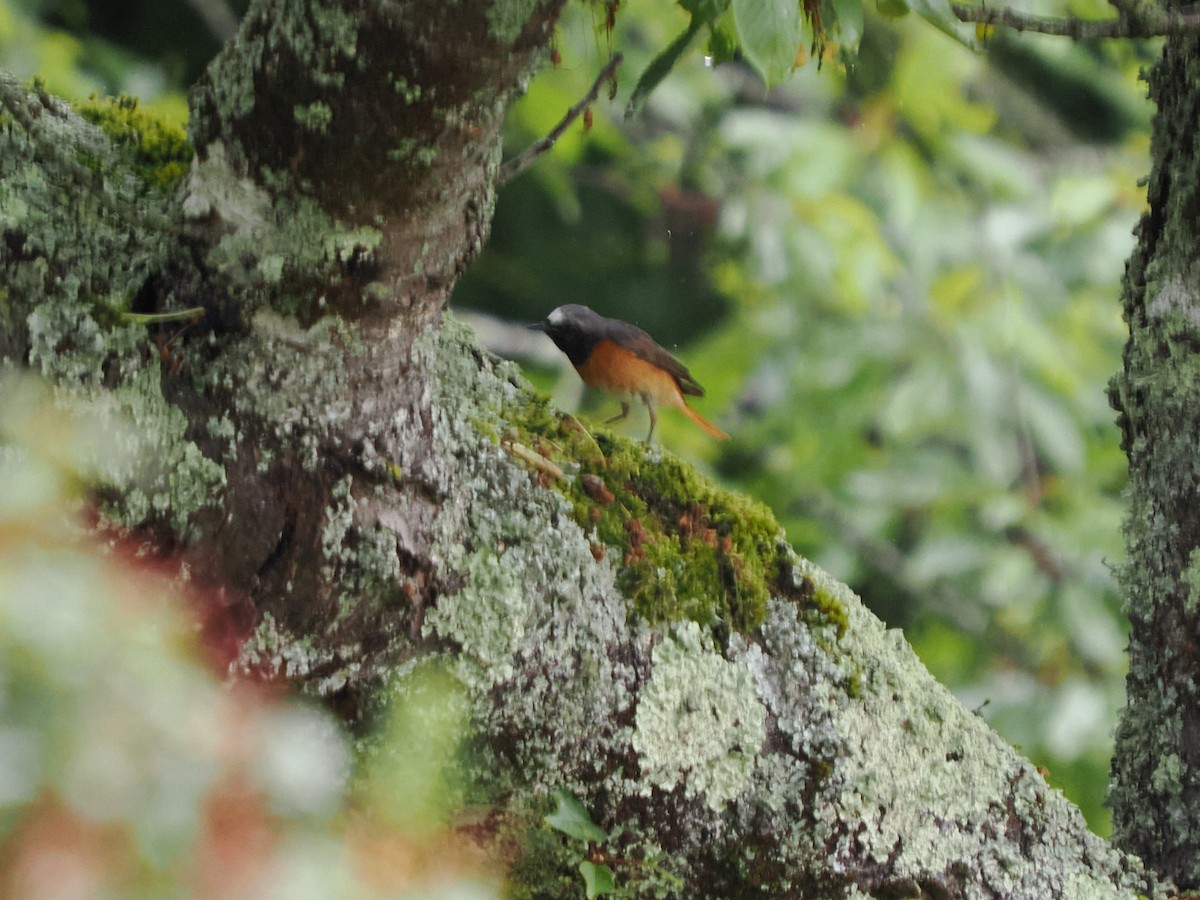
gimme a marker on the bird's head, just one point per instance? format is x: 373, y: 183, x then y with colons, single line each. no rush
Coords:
x: 574, y: 328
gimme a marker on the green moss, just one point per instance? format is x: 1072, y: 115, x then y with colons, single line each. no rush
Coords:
x: 159, y: 153
x: 686, y: 548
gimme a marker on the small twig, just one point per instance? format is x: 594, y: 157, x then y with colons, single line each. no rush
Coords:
x: 192, y: 313
x: 519, y: 164
x: 1137, y: 20
x: 535, y: 459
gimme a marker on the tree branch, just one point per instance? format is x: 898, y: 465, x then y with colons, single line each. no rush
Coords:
x: 1137, y: 19
x: 519, y: 164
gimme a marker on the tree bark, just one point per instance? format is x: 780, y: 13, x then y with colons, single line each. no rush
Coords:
x: 367, y: 489
x: 345, y: 169
x: 1156, y: 767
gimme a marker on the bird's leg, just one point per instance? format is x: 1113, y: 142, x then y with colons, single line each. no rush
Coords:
x: 649, y: 401
x: 619, y: 416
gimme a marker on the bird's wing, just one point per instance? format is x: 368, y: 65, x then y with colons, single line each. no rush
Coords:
x: 647, y: 348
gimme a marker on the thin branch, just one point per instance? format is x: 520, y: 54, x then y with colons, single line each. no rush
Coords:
x: 1137, y: 19
x: 179, y: 315
x: 519, y: 164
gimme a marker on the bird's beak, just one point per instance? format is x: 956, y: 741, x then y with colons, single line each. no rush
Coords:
x: 537, y: 326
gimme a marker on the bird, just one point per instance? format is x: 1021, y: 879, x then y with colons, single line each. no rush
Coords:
x: 623, y: 360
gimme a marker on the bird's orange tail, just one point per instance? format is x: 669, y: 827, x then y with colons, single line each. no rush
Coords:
x: 708, y: 426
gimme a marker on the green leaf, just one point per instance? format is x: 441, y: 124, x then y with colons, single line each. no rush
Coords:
x: 572, y: 819
x: 849, y: 16
x: 598, y: 879
x: 770, y: 34
x: 660, y: 67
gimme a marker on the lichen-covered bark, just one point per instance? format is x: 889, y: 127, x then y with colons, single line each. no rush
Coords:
x: 360, y: 483
x: 344, y: 175
x: 1156, y: 769
x: 381, y: 121
x: 84, y: 238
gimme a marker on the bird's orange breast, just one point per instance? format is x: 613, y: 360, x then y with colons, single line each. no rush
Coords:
x: 612, y: 368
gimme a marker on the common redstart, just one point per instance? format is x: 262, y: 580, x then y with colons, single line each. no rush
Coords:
x: 621, y: 359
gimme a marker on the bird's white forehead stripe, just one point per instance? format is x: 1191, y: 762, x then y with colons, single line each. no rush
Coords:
x: 556, y: 317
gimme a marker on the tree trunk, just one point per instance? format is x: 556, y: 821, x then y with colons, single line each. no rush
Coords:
x: 1156, y: 767
x: 366, y: 488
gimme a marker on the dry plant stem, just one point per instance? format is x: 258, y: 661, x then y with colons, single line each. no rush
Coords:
x: 519, y: 164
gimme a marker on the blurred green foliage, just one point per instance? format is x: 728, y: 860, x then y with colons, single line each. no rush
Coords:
x: 897, y: 277
x: 79, y: 48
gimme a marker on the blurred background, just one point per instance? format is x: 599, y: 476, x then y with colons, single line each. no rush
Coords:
x: 898, y: 280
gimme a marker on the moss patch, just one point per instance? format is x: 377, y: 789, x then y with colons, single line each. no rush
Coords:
x: 159, y: 153
x: 686, y: 547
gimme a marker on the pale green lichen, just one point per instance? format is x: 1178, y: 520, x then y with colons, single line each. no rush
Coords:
x: 333, y: 39
x: 410, y: 150
x: 339, y: 521
x: 270, y: 651
x: 314, y: 116
x: 514, y: 600
x: 1190, y: 576
x: 361, y: 560
x: 409, y: 91
x: 488, y: 616
x: 507, y: 20
x: 325, y: 37
x: 699, y: 721
x: 289, y: 377
x: 494, y: 614
x: 267, y: 244
x: 929, y: 784
x: 171, y: 479
x: 223, y: 428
